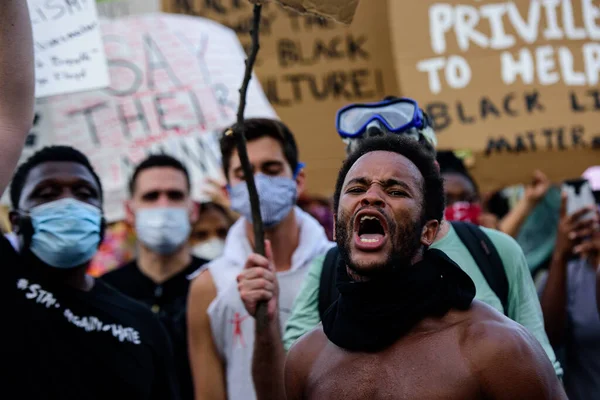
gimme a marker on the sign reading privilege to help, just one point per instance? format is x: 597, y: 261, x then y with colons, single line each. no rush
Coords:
x: 174, y: 86
x: 516, y: 82
x: 69, y: 56
x: 340, y: 10
x: 310, y: 67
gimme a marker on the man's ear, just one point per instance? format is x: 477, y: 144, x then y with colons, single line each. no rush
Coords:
x: 130, y: 212
x: 429, y: 232
x: 14, y: 219
x: 194, y: 214
x: 300, y: 182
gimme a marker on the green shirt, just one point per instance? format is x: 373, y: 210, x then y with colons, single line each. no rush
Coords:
x: 523, y: 304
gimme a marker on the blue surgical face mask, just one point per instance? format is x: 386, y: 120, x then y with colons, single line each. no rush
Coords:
x: 163, y: 229
x: 277, y: 196
x: 66, y: 232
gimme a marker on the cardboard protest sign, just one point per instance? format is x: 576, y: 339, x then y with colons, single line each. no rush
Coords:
x: 174, y: 82
x: 309, y: 67
x: 69, y: 56
x: 340, y: 10
x: 515, y: 82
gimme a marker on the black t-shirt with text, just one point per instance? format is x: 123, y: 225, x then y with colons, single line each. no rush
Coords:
x: 168, y: 300
x: 62, y: 343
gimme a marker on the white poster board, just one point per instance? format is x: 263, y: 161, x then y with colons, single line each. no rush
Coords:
x: 174, y: 86
x: 69, y: 56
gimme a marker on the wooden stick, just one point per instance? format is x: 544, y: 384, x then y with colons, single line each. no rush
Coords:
x: 240, y: 139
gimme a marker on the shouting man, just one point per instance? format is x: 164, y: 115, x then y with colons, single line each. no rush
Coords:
x: 405, y: 325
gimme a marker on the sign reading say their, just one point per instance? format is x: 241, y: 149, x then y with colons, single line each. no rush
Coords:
x: 516, y: 82
x: 174, y: 86
x: 69, y: 56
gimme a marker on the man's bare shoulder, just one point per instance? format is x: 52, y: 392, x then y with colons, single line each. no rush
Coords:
x: 300, y: 360
x: 310, y: 344
x: 489, y: 332
x: 202, y: 291
x: 506, y: 358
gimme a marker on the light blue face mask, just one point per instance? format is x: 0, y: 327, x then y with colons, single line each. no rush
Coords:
x: 277, y: 196
x: 66, y: 232
x: 163, y: 229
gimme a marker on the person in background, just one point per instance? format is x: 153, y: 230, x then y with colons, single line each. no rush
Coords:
x: 522, y: 303
x: 71, y: 336
x: 320, y: 209
x: 463, y: 200
x: 221, y: 307
x: 162, y: 212
x: 569, y: 297
x: 207, y: 240
x: 17, y: 85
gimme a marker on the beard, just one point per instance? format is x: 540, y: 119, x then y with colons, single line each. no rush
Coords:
x: 405, y: 240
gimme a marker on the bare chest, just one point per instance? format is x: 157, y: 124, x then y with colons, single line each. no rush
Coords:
x: 425, y: 369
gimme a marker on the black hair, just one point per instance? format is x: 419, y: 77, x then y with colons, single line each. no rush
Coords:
x: 158, y: 161
x: 451, y: 164
x: 433, y: 186
x: 256, y: 128
x: 48, y: 154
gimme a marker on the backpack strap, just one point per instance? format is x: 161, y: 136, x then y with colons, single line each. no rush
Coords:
x: 328, y: 292
x: 486, y: 257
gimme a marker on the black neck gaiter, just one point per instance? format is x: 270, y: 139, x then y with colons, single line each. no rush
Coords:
x: 370, y: 316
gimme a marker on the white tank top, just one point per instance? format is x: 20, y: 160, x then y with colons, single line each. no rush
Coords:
x: 232, y: 327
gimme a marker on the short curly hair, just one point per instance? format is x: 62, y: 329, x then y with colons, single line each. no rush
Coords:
x: 48, y: 154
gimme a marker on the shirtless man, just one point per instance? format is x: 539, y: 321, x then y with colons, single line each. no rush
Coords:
x: 389, y: 203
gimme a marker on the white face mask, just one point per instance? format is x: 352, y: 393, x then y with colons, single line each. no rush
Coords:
x: 164, y: 229
x: 210, y: 249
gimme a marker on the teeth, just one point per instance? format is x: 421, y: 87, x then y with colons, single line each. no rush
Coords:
x: 369, y: 240
x: 366, y: 217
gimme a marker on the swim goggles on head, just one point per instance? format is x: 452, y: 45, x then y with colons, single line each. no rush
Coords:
x: 397, y: 115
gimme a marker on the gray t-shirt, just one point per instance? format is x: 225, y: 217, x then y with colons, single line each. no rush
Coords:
x: 581, y: 361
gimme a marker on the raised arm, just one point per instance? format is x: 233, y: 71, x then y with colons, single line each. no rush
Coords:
x: 534, y: 193
x: 208, y: 372
x: 16, y: 84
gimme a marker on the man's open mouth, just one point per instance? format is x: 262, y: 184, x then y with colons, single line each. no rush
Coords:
x: 370, y: 229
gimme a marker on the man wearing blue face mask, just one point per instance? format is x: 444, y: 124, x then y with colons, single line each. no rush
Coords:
x: 221, y: 323
x: 162, y: 211
x: 71, y: 336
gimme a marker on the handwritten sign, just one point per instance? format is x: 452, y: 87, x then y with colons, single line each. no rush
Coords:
x: 515, y: 82
x: 174, y: 86
x: 69, y: 56
x: 310, y: 67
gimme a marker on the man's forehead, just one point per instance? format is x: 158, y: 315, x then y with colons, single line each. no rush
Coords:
x: 384, y: 165
x: 262, y: 150
x: 161, y: 178
x: 59, y: 170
